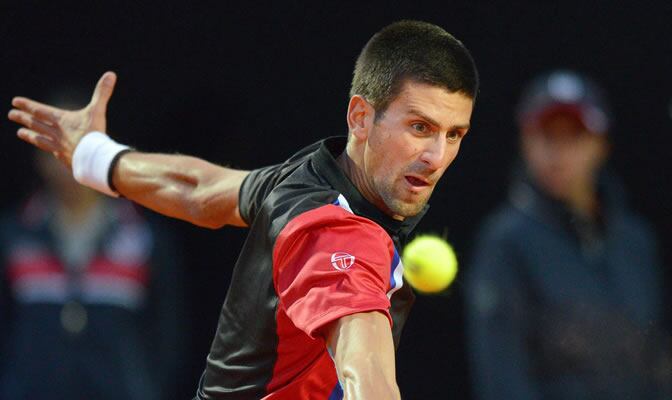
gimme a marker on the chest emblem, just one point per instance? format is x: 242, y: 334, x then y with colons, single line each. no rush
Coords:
x: 342, y: 261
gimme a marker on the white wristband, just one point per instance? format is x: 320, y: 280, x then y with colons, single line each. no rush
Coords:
x: 92, y: 159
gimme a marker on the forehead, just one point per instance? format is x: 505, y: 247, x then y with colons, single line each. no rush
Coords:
x: 447, y: 108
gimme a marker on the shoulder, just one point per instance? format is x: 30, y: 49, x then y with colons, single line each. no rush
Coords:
x: 272, y: 175
x: 333, y: 220
x: 328, y: 263
x: 261, y: 183
x: 332, y: 234
x: 299, y: 193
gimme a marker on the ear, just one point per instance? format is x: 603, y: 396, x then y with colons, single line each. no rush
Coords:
x: 360, y: 117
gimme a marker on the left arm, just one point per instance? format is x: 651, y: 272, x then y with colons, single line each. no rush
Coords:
x: 178, y: 186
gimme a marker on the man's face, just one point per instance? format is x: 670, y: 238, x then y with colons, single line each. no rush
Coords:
x: 410, y: 146
x: 562, y: 156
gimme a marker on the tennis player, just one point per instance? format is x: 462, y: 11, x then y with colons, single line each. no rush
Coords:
x: 317, y: 303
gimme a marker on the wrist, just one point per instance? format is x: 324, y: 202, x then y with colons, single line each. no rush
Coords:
x: 94, y: 159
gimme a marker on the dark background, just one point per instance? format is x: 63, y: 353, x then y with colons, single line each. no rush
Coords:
x: 247, y: 84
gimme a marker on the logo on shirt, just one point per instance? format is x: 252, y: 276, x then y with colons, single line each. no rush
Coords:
x: 342, y: 261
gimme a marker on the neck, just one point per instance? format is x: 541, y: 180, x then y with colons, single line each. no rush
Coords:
x: 356, y: 174
x: 352, y: 171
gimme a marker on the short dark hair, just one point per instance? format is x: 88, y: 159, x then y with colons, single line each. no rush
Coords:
x: 412, y: 50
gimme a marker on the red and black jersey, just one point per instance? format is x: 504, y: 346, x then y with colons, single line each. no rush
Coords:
x: 316, y: 251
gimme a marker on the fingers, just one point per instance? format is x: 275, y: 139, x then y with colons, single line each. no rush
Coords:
x: 32, y: 122
x: 43, y: 112
x: 103, y: 92
x: 36, y: 132
x: 38, y: 140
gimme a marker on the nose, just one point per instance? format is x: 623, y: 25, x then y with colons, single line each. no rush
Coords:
x: 435, y: 154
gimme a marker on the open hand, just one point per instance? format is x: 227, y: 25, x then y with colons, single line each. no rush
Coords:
x: 58, y: 131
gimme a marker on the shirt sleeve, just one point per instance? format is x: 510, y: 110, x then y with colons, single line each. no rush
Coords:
x: 259, y: 183
x: 329, y: 263
x: 255, y: 188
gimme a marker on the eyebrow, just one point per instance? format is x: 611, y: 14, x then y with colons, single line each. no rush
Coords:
x: 432, y: 121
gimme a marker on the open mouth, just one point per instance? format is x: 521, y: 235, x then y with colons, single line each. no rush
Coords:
x: 416, y: 182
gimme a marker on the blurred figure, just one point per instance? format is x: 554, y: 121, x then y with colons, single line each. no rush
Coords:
x: 563, y: 293
x: 90, y: 297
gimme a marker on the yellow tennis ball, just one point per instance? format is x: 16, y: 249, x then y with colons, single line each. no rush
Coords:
x: 430, y: 264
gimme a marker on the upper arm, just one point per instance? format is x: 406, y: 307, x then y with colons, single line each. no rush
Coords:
x: 328, y: 264
x: 362, y: 348
x: 332, y: 276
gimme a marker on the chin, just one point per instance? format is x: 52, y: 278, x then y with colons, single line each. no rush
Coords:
x: 407, y: 209
x: 404, y: 204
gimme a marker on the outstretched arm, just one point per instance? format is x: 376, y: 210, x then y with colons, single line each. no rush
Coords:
x: 363, y: 352
x: 177, y: 186
x: 182, y: 187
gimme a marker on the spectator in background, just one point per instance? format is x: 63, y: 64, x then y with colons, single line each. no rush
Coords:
x: 90, y: 297
x: 563, y: 292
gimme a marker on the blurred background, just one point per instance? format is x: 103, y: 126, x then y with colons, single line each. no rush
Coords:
x: 246, y: 85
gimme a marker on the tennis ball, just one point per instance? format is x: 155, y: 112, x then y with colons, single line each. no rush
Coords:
x: 430, y: 264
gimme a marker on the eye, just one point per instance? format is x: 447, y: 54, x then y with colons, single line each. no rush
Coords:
x: 453, y: 136
x: 420, y: 127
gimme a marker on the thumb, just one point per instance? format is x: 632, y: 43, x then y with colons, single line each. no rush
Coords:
x: 103, y: 92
